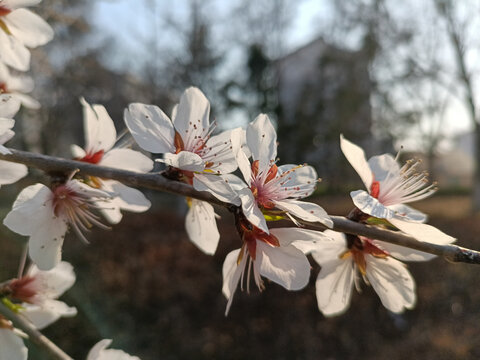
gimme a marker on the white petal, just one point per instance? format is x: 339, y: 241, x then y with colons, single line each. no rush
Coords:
x: 9, y: 106
x: 287, y: 266
x: 15, y: 4
x: 302, y: 177
x: 30, y: 209
x: 201, y: 226
x: 100, y: 352
x: 235, y: 182
x: 262, y: 142
x: 77, y: 152
x: 382, y: 165
x: 334, y: 286
x: 48, y: 313
x: 192, y: 116
x: 408, y: 213
x: 370, y: 205
x: 305, y: 210
x: 150, y: 127
x: 86, y: 190
x: 13, y: 53
x: 45, y: 244
x: 217, y: 186
x: 27, y: 101
x: 392, y: 282
x: 28, y: 27
x: 325, y: 251
x: 423, y: 232
x: 220, y: 153
x: 127, y: 159
x: 403, y: 253
x: 184, y: 160
x: 124, y: 198
x: 238, y: 145
x: 100, y: 133
x: 251, y: 210
x: 55, y: 281
x: 11, y: 346
x: 356, y: 157
x: 287, y: 236
x: 11, y: 172
x: 232, y: 272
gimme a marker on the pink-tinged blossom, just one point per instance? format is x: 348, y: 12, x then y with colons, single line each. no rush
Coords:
x: 272, y: 255
x: 100, y: 352
x: 45, y: 215
x: 270, y: 187
x: 391, y: 186
x: 20, y: 29
x: 344, y: 265
x: 100, y: 138
x: 39, y: 290
x: 17, y: 86
x: 193, y: 155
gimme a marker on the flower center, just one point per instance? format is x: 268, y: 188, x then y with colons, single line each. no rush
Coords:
x: 24, y: 289
x: 250, y: 234
x: 3, y: 88
x: 359, y: 249
x: 4, y: 10
x: 261, y: 194
x: 76, y: 208
x: 92, y: 158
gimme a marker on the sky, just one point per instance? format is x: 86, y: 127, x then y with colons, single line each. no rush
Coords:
x: 127, y: 24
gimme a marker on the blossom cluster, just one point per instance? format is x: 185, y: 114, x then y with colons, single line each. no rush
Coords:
x: 237, y: 166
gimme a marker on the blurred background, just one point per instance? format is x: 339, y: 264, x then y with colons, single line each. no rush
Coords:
x: 386, y: 74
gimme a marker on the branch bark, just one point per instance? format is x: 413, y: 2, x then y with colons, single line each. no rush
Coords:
x: 155, y: 181
x: 34, y: 335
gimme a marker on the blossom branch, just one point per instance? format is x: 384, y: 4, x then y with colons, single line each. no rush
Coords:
x: 153, y: 181
x: 33, y: 334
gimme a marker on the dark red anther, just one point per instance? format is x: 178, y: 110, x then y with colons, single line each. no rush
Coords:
x: 4, y: 11
x: 272, y: 173
x: 178, y: 141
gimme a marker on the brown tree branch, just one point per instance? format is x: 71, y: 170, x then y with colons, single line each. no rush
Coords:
x: 34, y: 335
x: 155, y: 181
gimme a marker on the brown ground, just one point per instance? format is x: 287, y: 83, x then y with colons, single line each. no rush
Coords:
x: 144, y: 285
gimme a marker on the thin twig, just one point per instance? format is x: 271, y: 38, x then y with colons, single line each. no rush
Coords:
x: 154, y: 181
x: 34, y: 335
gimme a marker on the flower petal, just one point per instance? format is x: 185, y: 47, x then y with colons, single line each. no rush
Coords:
x: 392, y: 282
x: 383, y: 165
x: 334, y: 286
x: 100, y: 133
x: 124, y: 198
x: 56, y: 281
x: 220, y: 153
x: 408, y: 213
x: 371, y: 206
x: 356, y: 157
x: 13, y: 53
x: 285, y: 265
x: 150, y: 127
x: 127, y: 159
x: 232, y: 272
x: 251, y: 210
x: 262, y: 142
x: 28, y: 27
x: 192, y: 116
x: 100, y: 352
x: 217, y: 186
x: 45, y: 244
x: 12, y: 346
x: 403, y: 253
x: 11, y: 172
x: 423, y: 232
x: 305, y: 210
x: 201, y: 226
x: 184, y: 160
x: 9, y: 106
x: 302, y: 178
x: 327, y: 250
x: 48, y: 313
x: 77, y: 151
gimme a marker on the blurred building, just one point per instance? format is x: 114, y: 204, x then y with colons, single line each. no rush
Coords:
x: 323, y: 91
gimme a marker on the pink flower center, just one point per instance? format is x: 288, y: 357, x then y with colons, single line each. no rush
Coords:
x: 24, y: 289
x: 76, y: 208
x: 359, y: 249
x: 250, y: 235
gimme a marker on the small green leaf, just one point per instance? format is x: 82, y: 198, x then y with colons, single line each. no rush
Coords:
x: 12, y: 306
x: 269, y: 217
